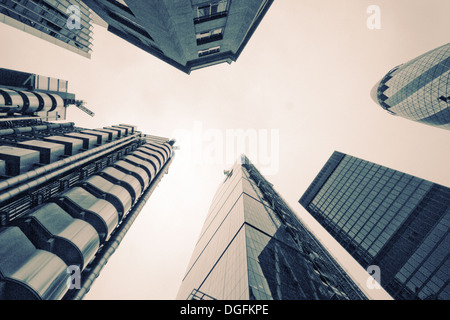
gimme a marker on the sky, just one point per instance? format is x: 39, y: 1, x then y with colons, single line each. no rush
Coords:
x: 301, y: 85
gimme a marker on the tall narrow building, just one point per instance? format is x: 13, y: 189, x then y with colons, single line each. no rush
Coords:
x: 67, y: 23
x: 186, y: 34
x: 419, y: 89
x: 68, y: 196
x: 253, y: 246
x: 388, y: 219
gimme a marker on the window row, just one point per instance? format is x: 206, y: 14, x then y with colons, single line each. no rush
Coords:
x: 208, y: 12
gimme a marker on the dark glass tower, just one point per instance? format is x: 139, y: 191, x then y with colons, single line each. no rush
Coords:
x: 419, y: 90
x: 386, y: 218
x: 253, y: 246
x: 68, y: 196
x: 186, y: 34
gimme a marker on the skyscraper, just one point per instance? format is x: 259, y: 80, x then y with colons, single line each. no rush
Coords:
x: 418, y: 90
x: 66, y: 23
x: 252, y: 246
x: 388, y: 219
x: 68, y: 196
x: 186, y: 34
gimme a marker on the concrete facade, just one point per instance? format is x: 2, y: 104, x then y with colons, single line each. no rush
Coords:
x: 169, y: 30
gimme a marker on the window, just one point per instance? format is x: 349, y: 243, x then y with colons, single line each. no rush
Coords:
x: 209, y: 36
x: 211, y: 11
x: 62, y: 85
x: 209, y: 51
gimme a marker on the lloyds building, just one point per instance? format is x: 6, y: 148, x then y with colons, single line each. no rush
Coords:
x: 68, y: 194
x: 418, y: 90
x: 253, y: 247
x: 386, y: 218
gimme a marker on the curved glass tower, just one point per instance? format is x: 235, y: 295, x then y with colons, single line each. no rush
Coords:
x: 419, y: 89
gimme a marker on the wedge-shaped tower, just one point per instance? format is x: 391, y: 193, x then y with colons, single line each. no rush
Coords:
x: 253, y: 246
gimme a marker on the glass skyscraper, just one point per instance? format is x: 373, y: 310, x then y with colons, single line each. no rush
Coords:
x: 419, y: 90
x: 252, y: 246
x: 388, y: 219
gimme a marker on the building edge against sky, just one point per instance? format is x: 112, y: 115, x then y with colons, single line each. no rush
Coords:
x: 185, y: 34
x: 68, y: 195
x: 418, y: 90
x: 24, y: 94
x: 253, y: 246
x: 51, y: 22
x: 388, y: 219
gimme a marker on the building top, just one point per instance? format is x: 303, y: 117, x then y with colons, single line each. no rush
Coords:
x: 254, y: 240
x: 186, y: 34
x: 28, y: 94
x: 386, y: 219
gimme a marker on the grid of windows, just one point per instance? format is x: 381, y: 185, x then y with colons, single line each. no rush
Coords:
x: 228, y: 280
x: 417, y: 90
x: 391, y: 219
x: 207, y: 12
x: 368, y: 202
x: 278, y: 271
x: 52, y: 19
x: 430, y: 280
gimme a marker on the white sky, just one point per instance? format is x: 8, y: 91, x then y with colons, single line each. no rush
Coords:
x: 307, y: 73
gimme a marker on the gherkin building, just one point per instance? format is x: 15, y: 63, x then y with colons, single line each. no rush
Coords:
x: 418, y: 90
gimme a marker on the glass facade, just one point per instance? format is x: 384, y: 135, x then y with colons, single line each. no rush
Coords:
x: 66, y: 23
x: 387, y: 218
x: 252, y: 247
x: 419, y: 89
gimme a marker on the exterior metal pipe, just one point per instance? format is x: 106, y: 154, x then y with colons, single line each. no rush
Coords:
x: 63, y: 166
x: 19, y: 119
x: 110, y: 247
x: 5, y: 132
